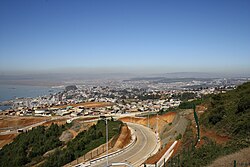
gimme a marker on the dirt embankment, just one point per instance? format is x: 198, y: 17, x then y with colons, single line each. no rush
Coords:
x: 18, y: 122
x: 6, y: 139
x: 124, y: 138
x: 214, y: 136
x: 15, y: 123
x: 206, y: 132
x: 74, y: 130
x: 152, y: 121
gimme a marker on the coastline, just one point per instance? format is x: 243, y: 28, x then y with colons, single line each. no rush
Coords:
x: 9, y: 93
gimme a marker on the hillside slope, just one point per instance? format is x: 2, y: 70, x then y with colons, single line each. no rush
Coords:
x: 229, y: 113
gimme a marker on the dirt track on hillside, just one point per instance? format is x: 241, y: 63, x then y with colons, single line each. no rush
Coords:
x: 58, y: 122
x: 87, y: 105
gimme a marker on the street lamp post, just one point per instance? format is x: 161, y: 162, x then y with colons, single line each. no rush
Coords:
x: 107, y: 140
x: 148, y: 119
x: 157, y: 134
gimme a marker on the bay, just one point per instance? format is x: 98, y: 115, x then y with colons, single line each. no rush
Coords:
x: 8, y: 92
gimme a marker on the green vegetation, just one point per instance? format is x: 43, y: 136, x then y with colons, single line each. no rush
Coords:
x: 149, y: 96
x: 178, y: 137
x: 190, y: 104
x: 202, y: 156
x: 228, y: 114
x: 188, y: 136
x: 183, y: 105
x: 185, y: 96
x: 83, y: 143
x: 164, y: 111
x: 31, y: 145
x: 209, y: 151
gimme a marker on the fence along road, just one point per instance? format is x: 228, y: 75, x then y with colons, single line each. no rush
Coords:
x: 145, y: 145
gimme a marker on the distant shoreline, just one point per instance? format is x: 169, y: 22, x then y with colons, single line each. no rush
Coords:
x: 2, y: 108
x: 30, y: 83
x: 10, y: 92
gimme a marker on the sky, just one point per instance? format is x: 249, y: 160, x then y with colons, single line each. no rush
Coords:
x: 144, y: 36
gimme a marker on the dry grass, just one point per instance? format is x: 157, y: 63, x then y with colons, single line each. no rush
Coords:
x: 242, y: 159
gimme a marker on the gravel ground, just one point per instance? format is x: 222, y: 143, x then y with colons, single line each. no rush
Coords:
x: 178, y: 126
x: 66, y: 136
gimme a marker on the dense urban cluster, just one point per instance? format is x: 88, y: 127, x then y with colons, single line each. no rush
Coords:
x: 119, y: 97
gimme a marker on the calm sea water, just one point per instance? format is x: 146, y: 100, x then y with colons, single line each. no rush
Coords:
x: 8, y: 92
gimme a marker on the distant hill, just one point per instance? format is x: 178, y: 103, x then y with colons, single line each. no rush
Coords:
x: 199, y: 75
x: 70, y: 87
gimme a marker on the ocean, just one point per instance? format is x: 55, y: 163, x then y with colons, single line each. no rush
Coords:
x: 8, y: 92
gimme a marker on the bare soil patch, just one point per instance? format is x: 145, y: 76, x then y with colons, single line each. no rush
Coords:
x: 58, y: 122
x: 6, y: 139
x: 17, y: 122
x: 205, y: 132
x: 87, y: 105
x: 124, y: 138
x: 74, y: 133
x: 66, y: 136
x: 152, y: 121
x: 214, y: 136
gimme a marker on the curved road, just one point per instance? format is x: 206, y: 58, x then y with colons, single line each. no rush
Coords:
x: 145, y: 145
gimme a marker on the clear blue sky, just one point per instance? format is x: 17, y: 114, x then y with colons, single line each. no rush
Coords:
x: 125, y: 35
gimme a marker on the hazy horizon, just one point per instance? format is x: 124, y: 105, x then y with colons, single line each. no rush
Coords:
x: 138, y: 37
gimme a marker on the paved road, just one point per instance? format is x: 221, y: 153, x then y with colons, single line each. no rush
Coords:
x: 144, y: 146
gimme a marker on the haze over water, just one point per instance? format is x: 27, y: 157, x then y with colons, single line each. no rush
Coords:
x: 8, y: 92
